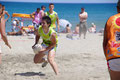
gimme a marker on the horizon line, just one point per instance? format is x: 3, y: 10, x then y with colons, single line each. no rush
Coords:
x: 53, y: 2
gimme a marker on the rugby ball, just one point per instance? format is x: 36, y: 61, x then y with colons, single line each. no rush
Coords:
x: 37, y: 48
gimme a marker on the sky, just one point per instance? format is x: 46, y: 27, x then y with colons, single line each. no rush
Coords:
x: 65, y: 1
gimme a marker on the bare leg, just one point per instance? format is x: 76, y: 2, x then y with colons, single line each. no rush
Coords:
x: 15, y: 33
x: 11, y: 33
x: 39, y: 58
x: 35, y: 31
x: 3, y: 33
x: 3, y: 27
x: 51, y: 57
x: 114, y: 75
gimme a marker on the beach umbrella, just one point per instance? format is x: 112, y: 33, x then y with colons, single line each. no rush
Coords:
x: 64, y: 22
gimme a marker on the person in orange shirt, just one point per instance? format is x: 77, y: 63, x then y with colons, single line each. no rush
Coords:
x: 111, y: 44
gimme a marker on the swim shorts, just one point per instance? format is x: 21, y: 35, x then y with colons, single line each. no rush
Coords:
x: 36, y: 26
x: 114, y: 64
x: 45, y: 46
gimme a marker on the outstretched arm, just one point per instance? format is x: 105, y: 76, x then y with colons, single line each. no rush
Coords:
x: 36, y: 39
x: 6, y: 41
x: 31, y: 15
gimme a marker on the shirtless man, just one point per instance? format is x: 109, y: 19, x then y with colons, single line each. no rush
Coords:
x: 83, y: 22
x: 2, y: 27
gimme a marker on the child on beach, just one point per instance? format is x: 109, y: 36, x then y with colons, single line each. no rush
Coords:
x: 49, y: 44
x: 76, y: 31
x: 68, y: 29
x: 92, y: 29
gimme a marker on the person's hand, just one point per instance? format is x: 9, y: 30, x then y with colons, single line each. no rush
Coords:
x: 42, y: 50
x: 8, y: 45
x: 33, y: 46
x: 31, y: 16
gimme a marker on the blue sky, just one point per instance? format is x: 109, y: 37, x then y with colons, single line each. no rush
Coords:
x: 65, y: 1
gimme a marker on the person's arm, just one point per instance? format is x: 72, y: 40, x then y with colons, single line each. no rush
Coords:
x: 86, y: 16
x: 58, y: 24
x: 7, y: 15
x: 36, y: 39
x: 6, y: 41
x: 53, y: 44
x: 31, y: 15
x: 105, y: 40
x: 0, y: 11
x: 83, y: 16
x: 80, y: 16
x: 4, y: 37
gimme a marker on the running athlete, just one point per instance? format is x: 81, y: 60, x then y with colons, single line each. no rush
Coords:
x: 49, y: 44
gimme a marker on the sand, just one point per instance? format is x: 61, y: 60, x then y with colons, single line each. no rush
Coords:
x: 79, y: 59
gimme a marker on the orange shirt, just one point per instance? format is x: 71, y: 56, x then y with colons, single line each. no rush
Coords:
x: 113, y: 36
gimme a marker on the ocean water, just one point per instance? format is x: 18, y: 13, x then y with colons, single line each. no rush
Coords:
x: 97, y: 13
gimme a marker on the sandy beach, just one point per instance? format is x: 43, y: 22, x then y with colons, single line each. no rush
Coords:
x: 81, y: 59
